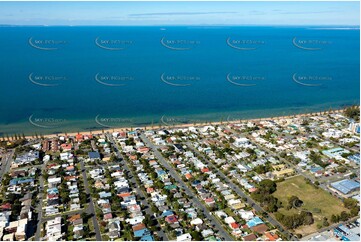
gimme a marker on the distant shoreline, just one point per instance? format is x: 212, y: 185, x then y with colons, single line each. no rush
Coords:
x: 327, y: 26
x: 198, y: 124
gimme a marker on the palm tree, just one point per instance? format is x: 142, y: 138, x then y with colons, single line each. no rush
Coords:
x: 330, y: 110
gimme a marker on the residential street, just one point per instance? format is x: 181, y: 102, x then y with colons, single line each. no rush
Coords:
x: 272, y: 153
x: 161, y: 234
x: 39, y: 207
x: 91, y: 209
x: 6, y: 162
x: 324, y: 181
x: 196, y: 202
x: 240, y: 193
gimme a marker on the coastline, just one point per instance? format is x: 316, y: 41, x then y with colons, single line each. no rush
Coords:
x: 198, y: 124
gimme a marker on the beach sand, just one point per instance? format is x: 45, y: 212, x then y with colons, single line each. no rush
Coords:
x: 149, y: 127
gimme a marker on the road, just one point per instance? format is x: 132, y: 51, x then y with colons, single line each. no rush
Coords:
x: 91, y: 209
x: 6, y: 162
x: 42, y: 219
x: 308, y: 237
x: 39, y: 206
x: 143, y: 197
x: 240, y: 193
x: 189, y: 192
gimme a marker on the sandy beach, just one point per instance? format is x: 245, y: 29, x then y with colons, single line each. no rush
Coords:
x: 150, y: 127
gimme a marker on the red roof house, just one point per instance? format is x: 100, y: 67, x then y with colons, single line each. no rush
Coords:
x: 171, y: 219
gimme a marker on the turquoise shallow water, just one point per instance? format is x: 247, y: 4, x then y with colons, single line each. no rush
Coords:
x: 57, y: 79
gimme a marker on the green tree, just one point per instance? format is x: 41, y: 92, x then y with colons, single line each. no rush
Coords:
x: 353, y: 175
x: 307, y: 218
x: 353, y: 112
x: 334, y: 218
x: 350, y: 203
x: 344, y: 216
x: 268, y: 186
x: 196, y: 235
x: 325, y: 222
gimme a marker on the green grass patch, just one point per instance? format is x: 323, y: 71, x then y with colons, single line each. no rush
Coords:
x: 315, y: 200
x: 230, y: 212
x: 105, y: 237
x: 91, y: 225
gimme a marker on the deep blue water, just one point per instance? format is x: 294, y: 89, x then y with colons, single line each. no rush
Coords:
x: 58, y: 90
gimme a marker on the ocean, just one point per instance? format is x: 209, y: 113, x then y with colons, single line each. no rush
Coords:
x: 68, y: 79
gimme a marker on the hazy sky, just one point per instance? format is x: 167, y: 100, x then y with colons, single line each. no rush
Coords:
x: 180, y: 13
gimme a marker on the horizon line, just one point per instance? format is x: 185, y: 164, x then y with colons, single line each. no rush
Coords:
x: 181, y: 25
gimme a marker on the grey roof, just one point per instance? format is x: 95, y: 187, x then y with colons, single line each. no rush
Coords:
x: 346, y: 186
x: 94, y: 155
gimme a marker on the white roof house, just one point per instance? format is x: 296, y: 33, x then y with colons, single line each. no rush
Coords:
x: 66, y: 156
x: 54, y: 180
x: 246, y: 215
x: 184, y: 237
x: 196, y: 221
x: 241, y: 142
x: 229, y: 220
x: 135, y: 220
